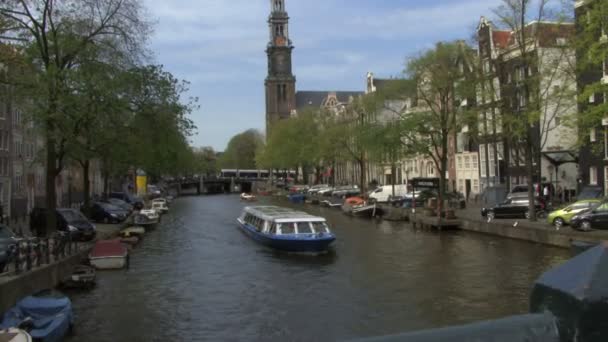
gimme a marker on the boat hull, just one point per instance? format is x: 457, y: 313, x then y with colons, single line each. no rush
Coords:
x: 288, y: 244
x: 109, y: 262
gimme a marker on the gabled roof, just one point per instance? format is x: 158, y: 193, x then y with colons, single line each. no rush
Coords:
x: 318, y: 98
x: 501, y: 39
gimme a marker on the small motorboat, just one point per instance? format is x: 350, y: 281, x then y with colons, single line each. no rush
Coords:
x: 82, y: 277
x: 46, y: 316
x: 109, y: 254
x: 130, y: 231
x: 247, y: 197
x: 129, y: 240
x: 151, y: 214
x: 14, y: 335
x: 297, y: 198
x: 160, y: 205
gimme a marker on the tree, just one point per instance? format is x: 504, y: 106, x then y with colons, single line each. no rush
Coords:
x: 592, y: 57
x: 55, y: 36
x: 439, y: 89
x: 241, y: 151
x: 205, y: 161
x: 544, y: 80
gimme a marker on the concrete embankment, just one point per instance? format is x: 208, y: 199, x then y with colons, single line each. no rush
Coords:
x: 521, y: 229
x: 15, y: 287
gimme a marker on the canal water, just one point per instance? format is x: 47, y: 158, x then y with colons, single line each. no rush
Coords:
x: 198, y: 278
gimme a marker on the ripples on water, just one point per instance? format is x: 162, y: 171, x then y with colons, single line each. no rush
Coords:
x: 197, y: 278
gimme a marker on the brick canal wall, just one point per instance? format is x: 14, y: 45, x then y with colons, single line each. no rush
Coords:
x: 13, y: 288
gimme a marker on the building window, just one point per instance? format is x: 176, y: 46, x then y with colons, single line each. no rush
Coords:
x: 592, y: 98
x: 592, y: 135
x: 459, y: 162
x: 467, y: 163
x: 461, y: 185
x: 474, y: 162
x: 558, y: 121
x: 476, y: 186
x: 593, y: 175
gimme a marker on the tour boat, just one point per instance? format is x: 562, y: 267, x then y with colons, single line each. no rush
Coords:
x: 109, y: 254
x: 286, y: 229
x: 247, y: 197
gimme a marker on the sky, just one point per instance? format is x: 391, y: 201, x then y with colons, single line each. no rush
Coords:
x: 219, y: 47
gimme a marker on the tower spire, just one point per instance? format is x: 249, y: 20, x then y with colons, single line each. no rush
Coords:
x: 280, y: 83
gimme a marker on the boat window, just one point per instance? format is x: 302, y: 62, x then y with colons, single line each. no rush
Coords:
x: 304, y: 228
x: 288, y: 228
x: 320, y: 227
x: 273, y: 228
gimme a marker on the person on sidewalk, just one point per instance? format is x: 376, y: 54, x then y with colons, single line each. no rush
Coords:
x: 546, y: 193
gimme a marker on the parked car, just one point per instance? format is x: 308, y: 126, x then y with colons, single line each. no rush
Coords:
x: 7, y: 242
x: 512, y: 208
x: 346, y: 191
x: 154, y: 191
x: 107, y: 213
x: 67, y: 220
x: 315, y: 188
x: 596, y: 218
x: 385, y: 192
x: 137, y: 202
x: 563, y: 216
x: 519, y: 190
x: 119, y: 203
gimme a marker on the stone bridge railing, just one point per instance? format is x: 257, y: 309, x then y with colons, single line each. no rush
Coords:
x: 567, y: 303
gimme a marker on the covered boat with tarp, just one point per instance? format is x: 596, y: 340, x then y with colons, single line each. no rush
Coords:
x: 286, y: 229
x: 47, y: 316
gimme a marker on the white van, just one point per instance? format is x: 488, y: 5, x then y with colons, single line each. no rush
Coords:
x: 383, y: 193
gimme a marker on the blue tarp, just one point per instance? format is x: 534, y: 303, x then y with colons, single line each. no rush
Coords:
x: 51, y: 317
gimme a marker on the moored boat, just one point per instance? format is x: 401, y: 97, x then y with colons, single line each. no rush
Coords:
x: 286, y: 229
x: 109, y: 254
x: 138, y: 231
x: 82, y: 277
x: 46, y: 316
x: 247, y: 197
x: 14, y: 335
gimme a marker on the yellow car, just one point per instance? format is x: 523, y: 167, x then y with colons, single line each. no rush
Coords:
x: 562, y: 216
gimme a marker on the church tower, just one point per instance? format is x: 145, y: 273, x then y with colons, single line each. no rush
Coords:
x: 280, y: 83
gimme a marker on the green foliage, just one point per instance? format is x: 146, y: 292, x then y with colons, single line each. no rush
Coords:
x: 241, y: 151
x: 592, y: 53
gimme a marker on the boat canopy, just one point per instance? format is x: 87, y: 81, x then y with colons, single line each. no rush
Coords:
x: 282, y: 215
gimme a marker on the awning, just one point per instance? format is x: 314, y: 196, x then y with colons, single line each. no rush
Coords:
x: 558, y: 158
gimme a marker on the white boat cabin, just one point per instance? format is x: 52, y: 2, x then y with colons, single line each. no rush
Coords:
x: 282, y: 221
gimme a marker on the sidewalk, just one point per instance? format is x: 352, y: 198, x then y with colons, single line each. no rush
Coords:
x: 522, y: 229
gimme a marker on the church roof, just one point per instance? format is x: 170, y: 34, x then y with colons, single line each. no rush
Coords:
x: 318, y: 98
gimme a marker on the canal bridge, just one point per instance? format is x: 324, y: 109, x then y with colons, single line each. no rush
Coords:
x: 226, y: 181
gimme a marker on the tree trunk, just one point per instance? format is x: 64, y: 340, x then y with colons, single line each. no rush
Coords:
x: 363, y: 179
x: 530, y: 177
x: 393, y: 176
x: 51, y: 193
x: 86, y: 188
